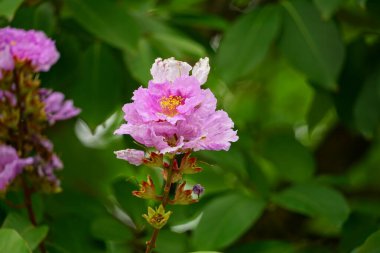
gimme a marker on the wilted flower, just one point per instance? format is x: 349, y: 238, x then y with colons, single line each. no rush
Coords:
x: 174, y: 113
x: 10, y: 165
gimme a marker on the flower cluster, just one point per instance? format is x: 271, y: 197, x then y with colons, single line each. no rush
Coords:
x: 174, y: 114
x: 26, y: 109
x: 173, y: 117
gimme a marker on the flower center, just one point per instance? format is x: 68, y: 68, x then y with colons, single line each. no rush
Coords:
x: 169, y: 104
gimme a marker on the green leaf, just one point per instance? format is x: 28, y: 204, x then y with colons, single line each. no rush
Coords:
x: 328, y: 7
x: 246, y: 43
x: 205, y: 252
x: 367, y: 107
x: 44, y: 18
x: 371, y: 245
x: 9, y: 7
x: 107, y: 21
x: 133, y: 206
x: 12, y: 242
x: 356, y: 230
x: 225, y: 219
x: 315, y: 201
x: 177, y: 45
x: 293, y: 161
x: 110, y: 229
x: 264, y: 247
x: 319, y: 58
x: 32, y: 235
x: 171, y: 242
x: 98, y: 85
x: 140, y: 62
x: 320, y: 106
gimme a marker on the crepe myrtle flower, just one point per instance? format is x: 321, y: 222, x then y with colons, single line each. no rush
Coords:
x: 56, y: 107
x: 31, y: 47
x: 10, y: 165
x: 175, y: 114
x: 173, y: 117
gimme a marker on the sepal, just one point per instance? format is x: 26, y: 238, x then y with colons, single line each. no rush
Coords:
x: 147, y: 190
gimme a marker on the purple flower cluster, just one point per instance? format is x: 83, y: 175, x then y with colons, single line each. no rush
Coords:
x: 56, y: 107
x: 25, y: 53
x: 11, y: 165
x: 174, y: 114
x: 33, y: 47
x: 46, y: 161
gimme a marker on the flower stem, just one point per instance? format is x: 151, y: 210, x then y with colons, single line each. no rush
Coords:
x: 22, y: 132
x: 151, y: 244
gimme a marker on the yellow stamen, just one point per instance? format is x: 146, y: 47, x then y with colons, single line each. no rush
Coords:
x: 169, y: 104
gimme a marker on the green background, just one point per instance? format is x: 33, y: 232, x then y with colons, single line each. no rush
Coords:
x: 300, y: 79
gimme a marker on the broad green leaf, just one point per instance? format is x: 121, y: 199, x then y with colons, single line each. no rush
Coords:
x: 44, y: 18
x: 31, y: 234
x: 119, y: 247
x: 246, y: 43
x: 204, y: 252
x: 133, y: 206
x: 328, y: 7
x: 98, y: 84
x: 315, y: 201
x: 177, y: 45
x: 356, y: 230
x: 140, y: 62
x: 319, y: 57
x: 367, y: 107
x: 225, y: 219
x: 371, y: 245
x: 12, y: 242
x: 264, y: 247
x: 171, y: 242
x: 320, y: 106
x: 9, y: 7
x: 110, y: 229
x: 293, y: 161
x: 107, y: 21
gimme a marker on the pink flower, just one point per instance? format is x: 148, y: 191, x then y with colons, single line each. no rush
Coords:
x: 28, y: 46
x: 175, y: 114
x: 6, y: 60
x: 56, y: 107
x: 10, y: 165
x: 133, y: 156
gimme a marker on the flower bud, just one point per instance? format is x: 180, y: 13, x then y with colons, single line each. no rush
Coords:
x: 198, y: 189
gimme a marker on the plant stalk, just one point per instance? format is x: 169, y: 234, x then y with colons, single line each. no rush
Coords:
x: 151, y: 244
x: 20, y: 146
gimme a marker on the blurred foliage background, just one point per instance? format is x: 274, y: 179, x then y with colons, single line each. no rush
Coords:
x: 301, y: 80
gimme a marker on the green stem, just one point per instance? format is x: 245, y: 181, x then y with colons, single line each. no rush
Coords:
x: 151, y: 244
